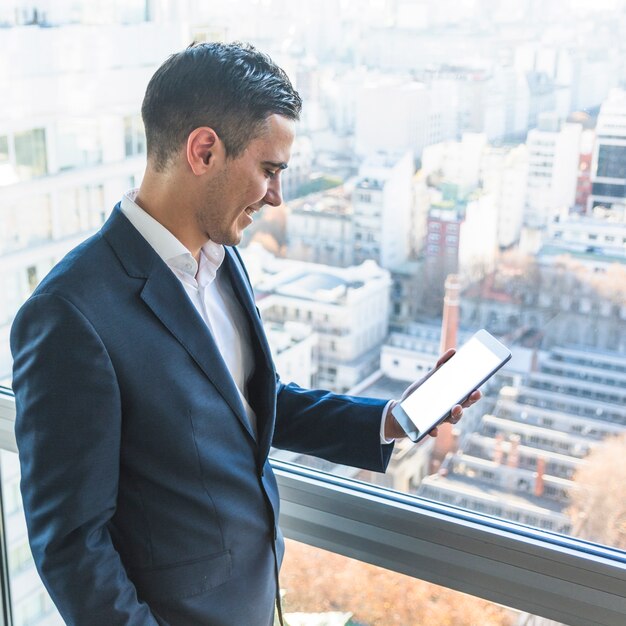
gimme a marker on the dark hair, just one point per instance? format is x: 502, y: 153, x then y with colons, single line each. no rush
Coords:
x: 232, y: 88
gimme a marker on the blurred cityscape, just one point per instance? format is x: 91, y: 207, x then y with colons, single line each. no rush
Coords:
x: 459, y: 165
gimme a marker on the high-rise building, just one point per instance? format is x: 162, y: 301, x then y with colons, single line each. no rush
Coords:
x: 67, y: 154
x: 504, y: 174
x: 608, y: 168
x: 596, y: 241
x: 382, y: 203
x: 553, y: 156
x: 320, y: 229
x: 348, y: 308
x: 391, y: 115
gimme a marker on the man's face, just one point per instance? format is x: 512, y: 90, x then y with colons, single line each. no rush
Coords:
x: 246, y: 183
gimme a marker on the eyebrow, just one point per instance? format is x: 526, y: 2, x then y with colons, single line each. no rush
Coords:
x: 278, y: 166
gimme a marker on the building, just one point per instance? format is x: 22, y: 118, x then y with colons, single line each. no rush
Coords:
x: 520, y: 462
x: 446, y: 214
x: 478, y: 237
x: 504, y: 174
x: 391, y: 115
x: 553, y: 158
x: 557, y: 303
x: 457, y: 161
x: 320, y: 229
x: 300, y: 169
x: 597, y: 241
x: 382, y: 203
x: 608, y: 166
x: 348, y: 308
x: 68, y: 154
x: 294, y: 351
x: 583, y: 183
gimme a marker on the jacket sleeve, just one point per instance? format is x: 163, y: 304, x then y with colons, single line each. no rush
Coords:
x: 68, y: 428
x: 338, y: 428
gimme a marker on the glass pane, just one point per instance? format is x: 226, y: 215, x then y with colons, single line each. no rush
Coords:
x: 31, y: 604
x: 30, y: 153
x: 79, y: 143
x: 321, y: 588
x: 25, y: 222
x: 4, y: 150
x: 420, y: 154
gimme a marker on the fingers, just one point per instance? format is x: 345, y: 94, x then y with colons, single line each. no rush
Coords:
x: 445, y: 356
x: 474, y: 397
x: 457, y: 410
x: 455, y: 414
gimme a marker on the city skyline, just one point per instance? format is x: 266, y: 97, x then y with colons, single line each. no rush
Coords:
x: 481, y: 139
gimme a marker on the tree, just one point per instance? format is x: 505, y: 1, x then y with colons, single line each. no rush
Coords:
x: 316, y: 581
x: 598, y: 499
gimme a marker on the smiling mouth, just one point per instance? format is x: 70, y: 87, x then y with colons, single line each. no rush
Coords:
x: 250, y: 211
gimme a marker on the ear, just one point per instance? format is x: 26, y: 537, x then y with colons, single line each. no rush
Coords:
x: 204, y: 149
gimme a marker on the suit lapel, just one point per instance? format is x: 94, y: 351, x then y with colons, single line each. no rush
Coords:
x: 167, y: 299
x: 261, y: 387
x: 244, y: 294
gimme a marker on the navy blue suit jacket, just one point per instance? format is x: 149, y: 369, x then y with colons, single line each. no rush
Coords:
x: 148, y: 498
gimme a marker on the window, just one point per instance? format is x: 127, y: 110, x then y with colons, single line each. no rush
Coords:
x: 361, y: 126
x: 31, y: 273
x: 30, y: 154
x: 79, y: 143
x: 134, y: 136
x: 4, y: 150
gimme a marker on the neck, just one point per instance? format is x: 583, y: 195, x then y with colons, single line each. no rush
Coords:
x: 159, y: 197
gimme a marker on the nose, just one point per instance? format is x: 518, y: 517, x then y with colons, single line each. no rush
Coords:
x: 274, y: 195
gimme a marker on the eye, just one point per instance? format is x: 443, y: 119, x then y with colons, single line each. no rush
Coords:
x: 270, y: 173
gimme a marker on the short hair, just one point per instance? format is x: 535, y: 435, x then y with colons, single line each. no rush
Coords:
x: 233, y: 88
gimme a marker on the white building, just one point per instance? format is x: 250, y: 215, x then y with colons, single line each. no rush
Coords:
x: 457, y: 161
x: 294, y: 351
x: 478, y: 237
x: 553, y: 156
x: 300, y: 167
x: 320, y: 229
x: 382, y: 203
x: 347, y: 307
x: 597, y: 241
x: 68, y: 154
x: 391, y: 115
x: 504, y: 173
x: 519, y: 463
x: 608, y: 166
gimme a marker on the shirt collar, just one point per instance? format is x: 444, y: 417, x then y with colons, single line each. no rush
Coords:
x: 168, y: 247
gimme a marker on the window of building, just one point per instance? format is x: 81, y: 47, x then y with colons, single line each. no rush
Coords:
x: 4, y: 150
x: 134, y: 136
x: 79, y: 143
x: 30, y: 154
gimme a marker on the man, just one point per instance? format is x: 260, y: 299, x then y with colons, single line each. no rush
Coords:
x: 146, y: 396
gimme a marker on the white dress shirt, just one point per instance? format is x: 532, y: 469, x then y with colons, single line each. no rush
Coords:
x: 211, y: 295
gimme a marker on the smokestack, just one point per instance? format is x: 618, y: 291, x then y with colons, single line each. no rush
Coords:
x: 445, y: 441
x: 513, y: 460
x: 498, y: 453
x: 541, y: 468
x: 450, y: 320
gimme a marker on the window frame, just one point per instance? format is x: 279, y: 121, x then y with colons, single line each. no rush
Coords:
x: 554, y: 576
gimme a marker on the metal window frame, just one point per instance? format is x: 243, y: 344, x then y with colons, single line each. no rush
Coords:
x: 7, y: 442
x: 561, y: 578
x: 546, y: 574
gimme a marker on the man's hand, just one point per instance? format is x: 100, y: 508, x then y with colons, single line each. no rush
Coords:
x: 393, y: 430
